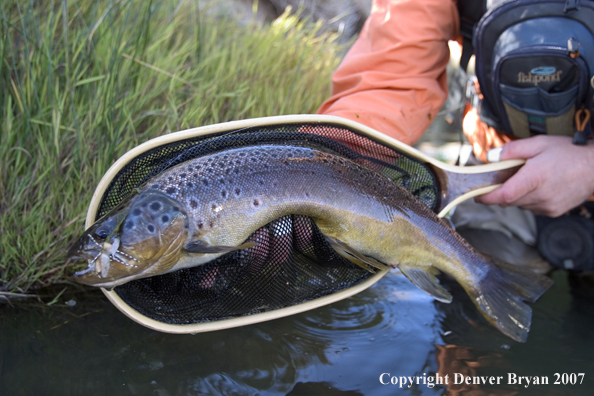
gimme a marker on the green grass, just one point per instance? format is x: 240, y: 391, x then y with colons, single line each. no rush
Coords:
x: 82, y: 82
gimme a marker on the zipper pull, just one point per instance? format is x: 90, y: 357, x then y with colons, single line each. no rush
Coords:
x: 582, y: 127
x: 573, y: 46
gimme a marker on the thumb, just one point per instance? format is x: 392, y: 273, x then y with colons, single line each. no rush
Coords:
x: 522, y: 148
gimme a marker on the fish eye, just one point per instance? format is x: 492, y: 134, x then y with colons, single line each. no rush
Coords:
x: 102, y: 232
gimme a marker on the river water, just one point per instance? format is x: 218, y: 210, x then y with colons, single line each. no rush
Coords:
x: 83, y: 345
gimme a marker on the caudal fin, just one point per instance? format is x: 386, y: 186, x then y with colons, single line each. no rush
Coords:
x: 501, y: 294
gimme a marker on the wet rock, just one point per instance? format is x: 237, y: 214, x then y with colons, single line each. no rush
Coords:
x: 345, y: 17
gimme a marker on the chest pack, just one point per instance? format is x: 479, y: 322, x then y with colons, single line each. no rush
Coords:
x: 534, y: 64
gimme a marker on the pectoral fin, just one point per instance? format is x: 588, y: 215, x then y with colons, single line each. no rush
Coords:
x: 355, y: 257
x: 425, y: 280
x: 199, y: 246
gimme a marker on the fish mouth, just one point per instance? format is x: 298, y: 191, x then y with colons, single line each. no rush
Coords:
x: 79, y: 260
x: 99, y: 258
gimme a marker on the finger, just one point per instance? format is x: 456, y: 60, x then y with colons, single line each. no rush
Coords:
x: 302, y: 232
x: 260, y: 251
x: 281, y: 243
x: 510, y: 193
x: 523, y: 148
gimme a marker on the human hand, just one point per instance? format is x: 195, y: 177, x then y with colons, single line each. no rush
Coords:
x: 558, y: 175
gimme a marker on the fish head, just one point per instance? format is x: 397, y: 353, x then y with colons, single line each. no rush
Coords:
x: 137, y: 239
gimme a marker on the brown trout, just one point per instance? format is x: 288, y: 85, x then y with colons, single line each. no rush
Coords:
x: 203, y: 208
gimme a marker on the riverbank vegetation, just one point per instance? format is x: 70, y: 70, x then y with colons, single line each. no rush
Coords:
x: 82, y: 82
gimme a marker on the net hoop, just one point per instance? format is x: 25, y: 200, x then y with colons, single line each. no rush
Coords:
x: 261, y: 122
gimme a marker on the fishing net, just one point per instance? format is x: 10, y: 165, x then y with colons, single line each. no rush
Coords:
x: 291, y: 263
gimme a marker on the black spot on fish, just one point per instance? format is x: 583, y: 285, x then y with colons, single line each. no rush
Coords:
x: 222, y: 181
x: 129, y: 225
x: 307, y: 194
x: 237, y: 191
x: 176, y: 209
x: 151, y: 228
x: 190, y: 168
x: 170, y: 178
x: 136, y: 212
x: 274, y: 184
x: 211, y: 224
x: 171, y: 190
x: 193, y: 203
x: 242, y: 154
x: 164, y: 218
x: 256, y: 202
x: 183, y: 176
x: 261, y: 182
x: 190, y: 185
x: 155, y: 206
x: 205, y: 182
x: 200, y: 225
x: 224, y: 194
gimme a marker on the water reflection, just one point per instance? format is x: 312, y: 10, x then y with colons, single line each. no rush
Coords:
x: 346, y: 345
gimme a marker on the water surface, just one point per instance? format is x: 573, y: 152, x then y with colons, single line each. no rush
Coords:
x: 340, y: 349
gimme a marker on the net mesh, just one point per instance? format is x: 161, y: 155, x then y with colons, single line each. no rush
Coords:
x: 291, y: 262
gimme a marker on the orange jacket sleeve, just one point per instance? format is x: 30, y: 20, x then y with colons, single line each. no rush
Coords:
x: 393, y: 78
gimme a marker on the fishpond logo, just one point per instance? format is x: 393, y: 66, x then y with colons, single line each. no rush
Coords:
x: 541, y: 74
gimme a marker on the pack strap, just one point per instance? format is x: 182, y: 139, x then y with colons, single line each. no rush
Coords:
x: 467, y: 51
x: 571, y: 5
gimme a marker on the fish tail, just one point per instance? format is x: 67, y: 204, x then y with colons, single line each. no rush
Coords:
x: 501, y: 294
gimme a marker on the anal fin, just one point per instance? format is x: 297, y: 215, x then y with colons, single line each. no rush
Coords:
x: 424, y: 279
x: 365, y: 262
